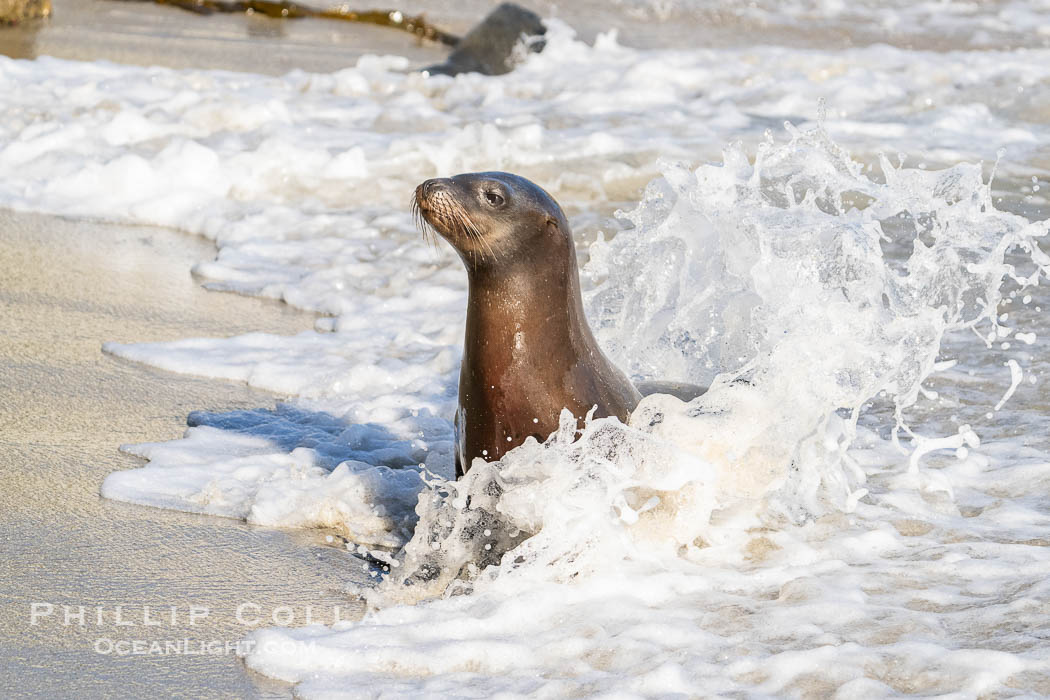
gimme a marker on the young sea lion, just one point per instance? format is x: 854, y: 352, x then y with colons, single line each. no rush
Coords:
x: 528, y: 351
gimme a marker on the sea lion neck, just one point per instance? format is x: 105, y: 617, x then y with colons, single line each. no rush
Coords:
x: 527, y: 316
x: 544, y: 291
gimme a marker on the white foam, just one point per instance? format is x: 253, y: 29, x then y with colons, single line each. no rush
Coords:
x: 293, y: 468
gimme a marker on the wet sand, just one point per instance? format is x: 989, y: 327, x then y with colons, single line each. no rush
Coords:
x: 65, y: 407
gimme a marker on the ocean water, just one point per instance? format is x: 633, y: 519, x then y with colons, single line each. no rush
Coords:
x: 834, y: 215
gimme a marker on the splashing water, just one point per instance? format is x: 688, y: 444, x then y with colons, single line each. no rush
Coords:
x: 801, y: 288
x: 817, y: 286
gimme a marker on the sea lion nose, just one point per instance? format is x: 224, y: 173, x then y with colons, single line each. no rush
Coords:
x: 433, y: 186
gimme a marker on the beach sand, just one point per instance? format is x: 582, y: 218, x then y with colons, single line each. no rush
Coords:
x: 65, y: 407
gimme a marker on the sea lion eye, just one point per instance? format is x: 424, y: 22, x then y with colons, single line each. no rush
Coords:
x: 494, y: 198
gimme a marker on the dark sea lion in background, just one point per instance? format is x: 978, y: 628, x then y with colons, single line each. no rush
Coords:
x: 489, y: 47
x: 528, y: 351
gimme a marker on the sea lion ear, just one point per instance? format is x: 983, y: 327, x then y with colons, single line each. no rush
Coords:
x: 555, y: 232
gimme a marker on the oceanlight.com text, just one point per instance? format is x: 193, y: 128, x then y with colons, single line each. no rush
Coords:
x: 108, y: 646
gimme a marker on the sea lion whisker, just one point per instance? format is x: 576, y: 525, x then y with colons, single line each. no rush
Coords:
x: 465, y: 228
x: 420, y: 221
x: 483, y: 240
x: 472, y: 233
x: 475, y: 233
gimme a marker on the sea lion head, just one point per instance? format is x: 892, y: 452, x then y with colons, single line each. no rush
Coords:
x: 492, y: 219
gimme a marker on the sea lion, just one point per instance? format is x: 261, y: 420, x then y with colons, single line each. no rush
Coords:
x: 528, y: 351
x: 490, y: 47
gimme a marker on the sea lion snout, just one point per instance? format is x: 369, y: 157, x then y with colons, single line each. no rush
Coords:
x: 429, y: 187
x: 439, y: 204
x: 426, y: 192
